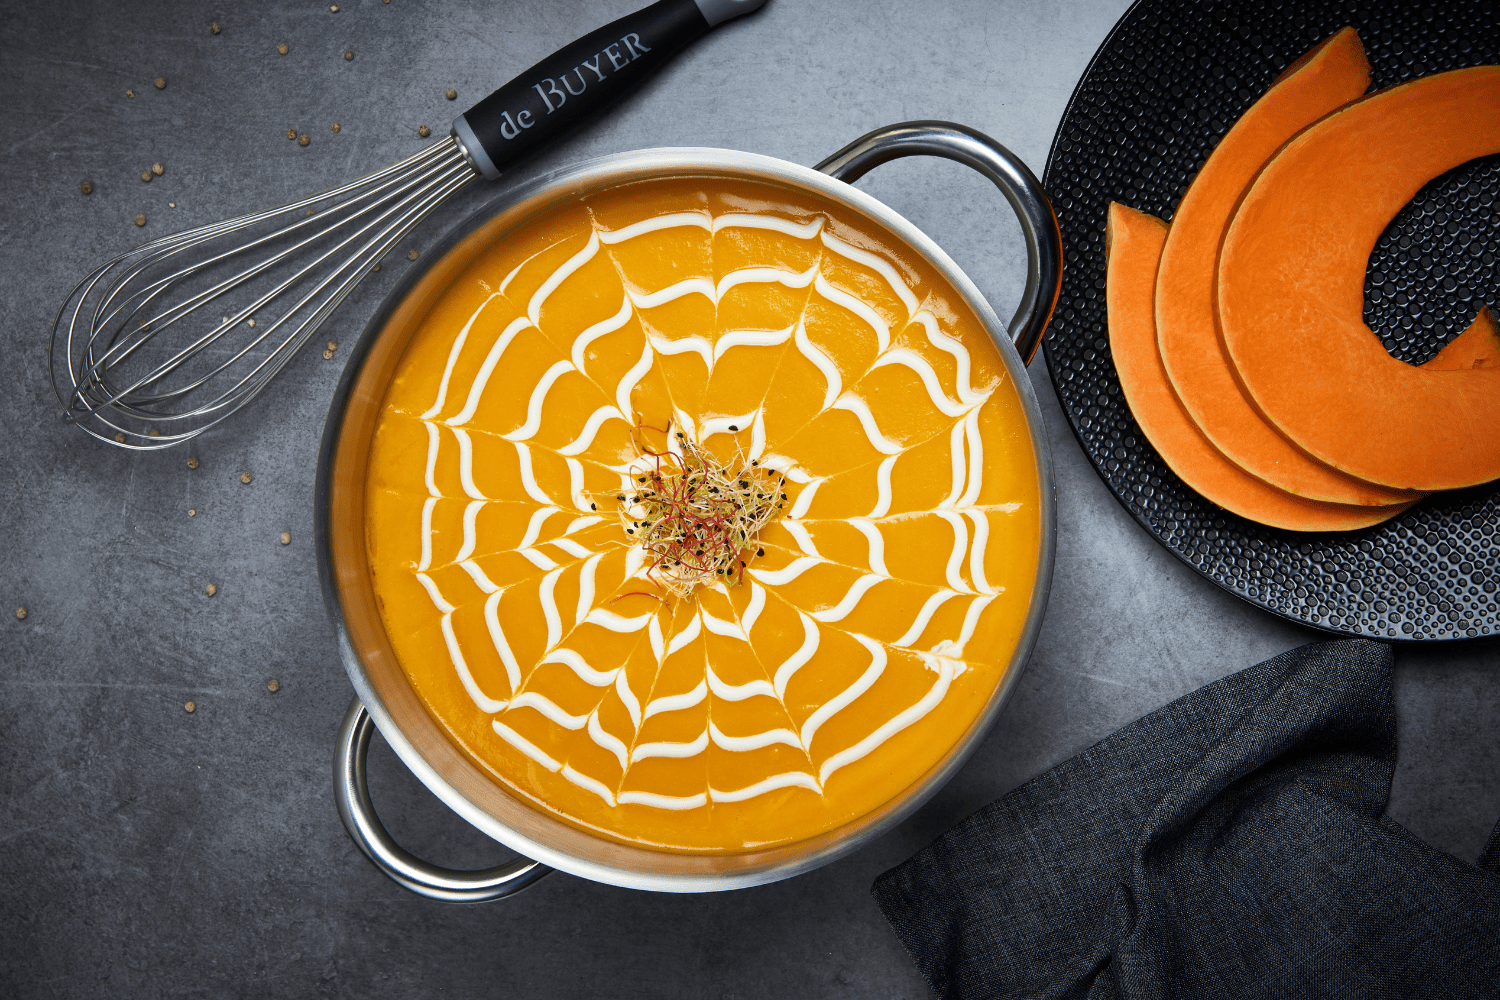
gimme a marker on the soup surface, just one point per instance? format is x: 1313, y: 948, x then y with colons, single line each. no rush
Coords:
x: 576, y: 437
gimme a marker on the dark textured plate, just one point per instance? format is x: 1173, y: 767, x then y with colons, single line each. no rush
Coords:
x: 1168, y: 82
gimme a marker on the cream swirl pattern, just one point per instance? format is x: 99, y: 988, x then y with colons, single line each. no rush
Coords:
x: 769, y: 332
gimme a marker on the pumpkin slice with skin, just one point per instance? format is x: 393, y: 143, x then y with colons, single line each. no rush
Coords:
x: 1133, y: 247
x: 1291, y: 289
x: 1332, y: 74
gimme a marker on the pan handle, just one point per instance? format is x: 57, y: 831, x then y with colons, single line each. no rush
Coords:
x: 352, y: 794
x: 1015, y: 180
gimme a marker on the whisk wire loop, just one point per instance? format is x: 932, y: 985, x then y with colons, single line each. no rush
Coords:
x: 307, y: 255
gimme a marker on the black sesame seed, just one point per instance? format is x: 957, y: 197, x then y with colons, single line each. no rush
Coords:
x: 760, y: 552
x: 733, y: 427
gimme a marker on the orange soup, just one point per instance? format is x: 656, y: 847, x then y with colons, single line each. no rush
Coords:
x: 703, y: 514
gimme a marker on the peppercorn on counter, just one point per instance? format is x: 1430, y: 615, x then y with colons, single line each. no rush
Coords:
x: 701, y: 516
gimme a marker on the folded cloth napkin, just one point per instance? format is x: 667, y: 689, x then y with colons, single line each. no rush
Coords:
x: 1230, y: 844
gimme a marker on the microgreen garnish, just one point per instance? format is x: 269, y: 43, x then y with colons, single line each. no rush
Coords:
x: 697, y: 514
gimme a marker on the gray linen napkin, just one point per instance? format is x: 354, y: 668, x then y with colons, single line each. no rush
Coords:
x: 1230, y: 844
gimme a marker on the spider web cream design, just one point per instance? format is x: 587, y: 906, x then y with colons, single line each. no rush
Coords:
x: 843, y: 632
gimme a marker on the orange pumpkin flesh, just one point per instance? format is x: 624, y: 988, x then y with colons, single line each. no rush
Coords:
x: 1291, y: 289
x: 1133, y: 247
x: 1332, y: 74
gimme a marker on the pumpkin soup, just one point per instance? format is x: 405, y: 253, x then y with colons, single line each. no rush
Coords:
x: 702, y: 514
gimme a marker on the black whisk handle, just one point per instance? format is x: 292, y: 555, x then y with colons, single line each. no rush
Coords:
x: 581, y: 77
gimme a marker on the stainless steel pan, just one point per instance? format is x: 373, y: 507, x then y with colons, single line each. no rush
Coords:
x: 383, y: 697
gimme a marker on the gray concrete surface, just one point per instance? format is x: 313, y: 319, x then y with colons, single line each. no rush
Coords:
x: 146, y: 852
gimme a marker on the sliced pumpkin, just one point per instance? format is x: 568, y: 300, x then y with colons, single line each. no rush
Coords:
x: 1291, y: 289
x: 1133, y: 249
x: 1333, y: 73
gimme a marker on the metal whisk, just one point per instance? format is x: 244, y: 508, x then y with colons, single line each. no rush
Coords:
x: 138, y: 358
x: 281, y: 271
